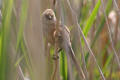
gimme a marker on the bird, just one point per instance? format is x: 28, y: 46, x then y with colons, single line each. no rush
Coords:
x: 48, y: 22
x: 62, y: 36
x: 58, y: 35
x: 63, y: 42
x: 50, y: 30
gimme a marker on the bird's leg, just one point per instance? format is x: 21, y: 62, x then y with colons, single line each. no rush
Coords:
x: 56, y: 66
x: 56, y: 54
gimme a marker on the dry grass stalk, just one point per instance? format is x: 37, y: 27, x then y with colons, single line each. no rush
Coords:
x: 68, y: 49
x: 110, y: 35
x: 75, y: 22
x: 34, y: 38
x: 56, y: 72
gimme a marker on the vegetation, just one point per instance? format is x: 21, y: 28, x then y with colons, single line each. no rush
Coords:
x: 94, y: 30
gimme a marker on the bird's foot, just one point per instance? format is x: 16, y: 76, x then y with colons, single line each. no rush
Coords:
x: 55, y: 57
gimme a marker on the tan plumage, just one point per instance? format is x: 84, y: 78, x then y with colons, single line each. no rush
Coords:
x: 62, y: 41
x: 51, y: 34
x: 58, y: 35
x: 48, y: 23
x: 62, y: 36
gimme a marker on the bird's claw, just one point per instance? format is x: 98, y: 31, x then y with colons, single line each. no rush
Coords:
x: 55, y: 57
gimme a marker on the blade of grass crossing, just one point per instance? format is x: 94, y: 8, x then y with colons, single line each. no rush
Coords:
x: 20, y: 40
x: 109, y: 4
x: 27, y: 61
x: 23, y: 17
x: 91, y: 19
x: 100, y: 27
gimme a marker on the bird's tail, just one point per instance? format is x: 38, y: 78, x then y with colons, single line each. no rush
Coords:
x: 70, y: 53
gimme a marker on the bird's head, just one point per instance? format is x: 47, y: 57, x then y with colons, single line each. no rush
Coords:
x: 48, y: 16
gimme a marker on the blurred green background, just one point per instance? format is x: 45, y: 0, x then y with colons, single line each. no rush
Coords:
x: 22, y: 44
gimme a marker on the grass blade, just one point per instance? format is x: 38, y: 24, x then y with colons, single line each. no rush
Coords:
x: 92, y: 18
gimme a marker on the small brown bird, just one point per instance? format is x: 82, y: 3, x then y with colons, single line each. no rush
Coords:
x: 58, y: 35
x: 50, y: 32
x: 62, y: 41
x: 62, y: 36
x: 48, y: 21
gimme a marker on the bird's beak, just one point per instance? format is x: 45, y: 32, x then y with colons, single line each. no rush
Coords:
x: 50, y: 17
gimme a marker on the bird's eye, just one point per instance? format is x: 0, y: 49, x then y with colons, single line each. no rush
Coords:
x: 49, y: 17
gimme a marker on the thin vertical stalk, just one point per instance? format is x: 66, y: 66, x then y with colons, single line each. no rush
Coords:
x: 20, y: 73
x: 116, y: 5
x: 83, y: 60
x: 75, y: 21
x: 110, y: 35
